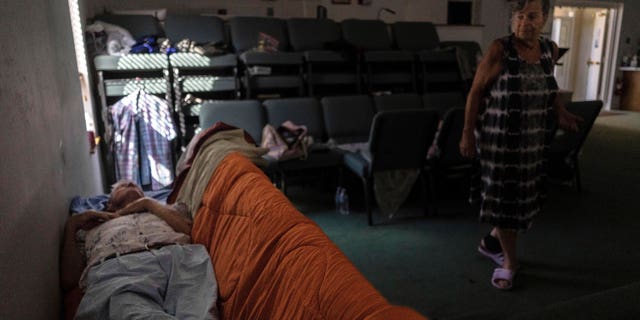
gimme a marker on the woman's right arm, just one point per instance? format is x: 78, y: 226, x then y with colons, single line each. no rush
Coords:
x: 487, y: 72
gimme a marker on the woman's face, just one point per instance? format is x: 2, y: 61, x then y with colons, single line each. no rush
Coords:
x: 527, y: 23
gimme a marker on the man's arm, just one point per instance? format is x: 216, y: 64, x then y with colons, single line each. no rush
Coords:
x: 176, y: 219
x: 71, y: 261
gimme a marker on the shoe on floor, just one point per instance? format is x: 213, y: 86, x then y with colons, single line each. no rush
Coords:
x: 504, y: 275
x: 498, y: 258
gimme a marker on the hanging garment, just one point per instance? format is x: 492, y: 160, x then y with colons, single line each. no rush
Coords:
x: 142, y: 132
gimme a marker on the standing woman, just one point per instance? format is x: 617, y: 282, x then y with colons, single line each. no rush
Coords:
x: 507, y: 122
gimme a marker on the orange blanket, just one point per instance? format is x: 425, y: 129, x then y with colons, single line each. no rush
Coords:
x: 271, y: 262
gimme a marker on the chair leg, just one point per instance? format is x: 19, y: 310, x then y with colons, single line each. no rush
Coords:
x: 432, y: 192
x: 425, y: 188
x: 367, y: 201
x: 576, y: 173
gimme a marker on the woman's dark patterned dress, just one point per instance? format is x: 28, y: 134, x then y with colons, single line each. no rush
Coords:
x: 512, y: 136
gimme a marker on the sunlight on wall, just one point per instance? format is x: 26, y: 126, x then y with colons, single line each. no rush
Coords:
x: 81, y: 58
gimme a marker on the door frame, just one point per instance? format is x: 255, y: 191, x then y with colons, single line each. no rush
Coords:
x: 609, y: 61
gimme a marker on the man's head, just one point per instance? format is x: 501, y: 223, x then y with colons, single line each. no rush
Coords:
x: 123, y: 193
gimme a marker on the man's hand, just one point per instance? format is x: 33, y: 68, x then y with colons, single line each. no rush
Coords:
x: 89, y: 220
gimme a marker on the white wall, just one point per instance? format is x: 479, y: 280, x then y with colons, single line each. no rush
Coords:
x: 45, y: 157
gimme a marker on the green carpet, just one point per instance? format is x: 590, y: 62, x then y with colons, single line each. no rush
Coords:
x: 582, y: 246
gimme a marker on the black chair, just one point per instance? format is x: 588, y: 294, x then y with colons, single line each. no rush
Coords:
x: 329, y: 71
x: 469, y: 54
x: 267, y: 69
x: 119, y: 76
x: 564, y: 150
x: 347, y: 119
x: 387, y: 69
x: 442, y: 82
x: 448, y: 163
x: 244, y: 114
x: 399, y: 101
x: 398, y: 140
x: 205, y: 77
x: 307, y: 112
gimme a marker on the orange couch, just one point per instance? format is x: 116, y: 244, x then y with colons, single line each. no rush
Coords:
x: 271, y: 262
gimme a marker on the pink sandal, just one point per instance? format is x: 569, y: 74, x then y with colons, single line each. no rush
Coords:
x: 498, y: 258
x: 504, y: 275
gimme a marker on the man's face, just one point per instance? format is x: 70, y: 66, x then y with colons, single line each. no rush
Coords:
x: 123, y: 195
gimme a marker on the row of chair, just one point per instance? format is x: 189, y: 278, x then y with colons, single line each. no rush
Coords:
x: 398, y: 130
x: 312, y: 57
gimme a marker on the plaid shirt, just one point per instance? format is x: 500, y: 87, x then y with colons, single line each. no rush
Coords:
x: 143, y: 130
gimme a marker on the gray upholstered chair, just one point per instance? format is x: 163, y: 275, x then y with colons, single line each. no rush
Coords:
x: 399, y: 101
x: 398, y: 140
x: 347, y: 119
x: 203, y: 76
x: 329, y: 70
x: 268, y: 68
x: 307, y: 112
x: 244, y: 114
x: 385, y: 69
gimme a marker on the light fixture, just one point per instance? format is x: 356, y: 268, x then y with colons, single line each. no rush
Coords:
x: 383, y: 10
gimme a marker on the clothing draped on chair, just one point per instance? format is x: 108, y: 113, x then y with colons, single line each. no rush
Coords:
x: 142, y: 132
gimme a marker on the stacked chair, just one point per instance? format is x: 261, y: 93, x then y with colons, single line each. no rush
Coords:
x: 312, y: 72
x: 469, y: 54
x: 203, y: 76
x: 328, y: 69
x: 119, y: 76
x: 385, y: 69
x: 262, y: 46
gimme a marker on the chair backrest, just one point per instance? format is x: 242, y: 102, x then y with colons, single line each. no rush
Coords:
x: 301, y: 111
x: 400, y: 139
x: 366, y: 34
x: 415, y: 36
x: 441, y: 70
x: 444, y: 101
x: 313, y: 34
x: 245, y: 32
x: 448, y: 141
x: 347, y: 119
x: 398, y: 101
x: 568, y: 142
x: 244, y: 114
x: 138, y: 25
x: 469, y: 54
x: 201, y: 29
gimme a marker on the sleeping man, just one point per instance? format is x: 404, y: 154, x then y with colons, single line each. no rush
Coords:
x: 137, y: 261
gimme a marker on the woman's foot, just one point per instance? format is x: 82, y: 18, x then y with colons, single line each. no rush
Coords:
x: 503, y: 278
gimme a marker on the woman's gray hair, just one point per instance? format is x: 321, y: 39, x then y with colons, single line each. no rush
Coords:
x: 518, y: 5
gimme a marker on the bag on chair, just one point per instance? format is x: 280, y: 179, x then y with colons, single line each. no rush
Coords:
x: 288, y: 141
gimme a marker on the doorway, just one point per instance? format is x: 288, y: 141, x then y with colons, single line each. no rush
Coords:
x: 590, y: 30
